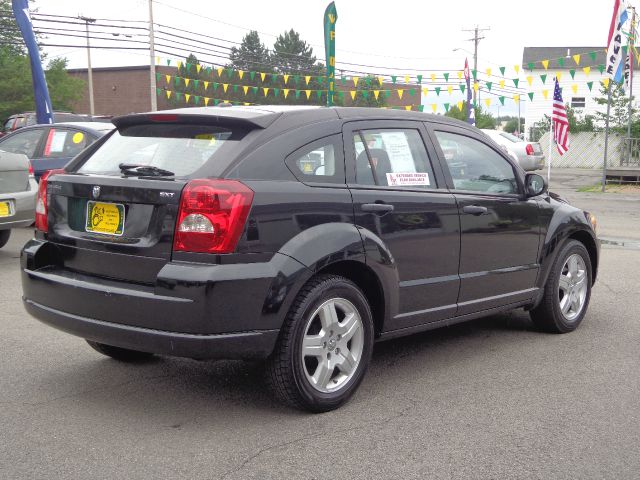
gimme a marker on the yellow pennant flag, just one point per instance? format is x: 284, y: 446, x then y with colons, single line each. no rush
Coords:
x: 285, y: 91
x: 407, y: 107
x: 240, y: 74
x: 179, y: 65
x: 558, y: 75
x: 586, y: 70
x: 206, y: 85
x: 353, y: 94
x: 488, y: 72
x: 168, y: 78
x: 459, y: 75
x: 246, y: 104
x: 605, y: 82
x: 187, y: 97
x: 545, y: 64
x: 434, y: 107
x: 168, y: 93
x: 425, y: 91
x: 376, y: 93
x: 529, y: 80
x: 576, y: 58
x: 400, y: 92
x: 307, y: 79
x: 450, y: 89
x: 262, y: 76
x: 476, y: 86
x: 206, y: 101
x: 308, y: 92
x: 407, y: 78
x: 433, y: 77
x: 157, y: 60
x: 488, y: 102
x: 545, y: 93
x: 355, y: 81
x: 219, y: 71
x: 460, y: 105
x: 380, y: 80
x: 198, y: 67
x: 574, y: 87
x: 225, y: 86
x: 286, y: 79
x: 517, y: 69
x: 265, y: 90
x: 516, y: 98
x: 245, y: 88
x: 501, y: 83
x: 186, y: 82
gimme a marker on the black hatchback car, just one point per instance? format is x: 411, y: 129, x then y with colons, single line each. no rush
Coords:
x: 299, y: 236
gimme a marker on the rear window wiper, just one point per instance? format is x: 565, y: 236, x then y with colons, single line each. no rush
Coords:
x: 144, y: 170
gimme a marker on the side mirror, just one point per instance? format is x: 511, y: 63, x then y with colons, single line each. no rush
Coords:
x: 534, y: 185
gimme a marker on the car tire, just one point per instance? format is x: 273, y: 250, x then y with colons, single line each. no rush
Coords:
x: 309, y: 368
x: 567, y: 291
x: 4, y: 237
x: 120, y: 354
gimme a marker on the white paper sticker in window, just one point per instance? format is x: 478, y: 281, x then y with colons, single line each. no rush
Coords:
x: 408, y: 179
x: 57, y: 142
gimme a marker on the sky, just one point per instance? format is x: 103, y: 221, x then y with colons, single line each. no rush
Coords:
x: 393, y: 37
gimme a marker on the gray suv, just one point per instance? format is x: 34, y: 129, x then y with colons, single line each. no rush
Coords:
x: 18, y: 189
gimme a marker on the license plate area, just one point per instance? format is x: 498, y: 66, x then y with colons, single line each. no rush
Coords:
x: 105, y: 218
x: 6, y: 208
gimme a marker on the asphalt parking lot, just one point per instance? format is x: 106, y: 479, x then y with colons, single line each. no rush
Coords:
x: 488, y: 399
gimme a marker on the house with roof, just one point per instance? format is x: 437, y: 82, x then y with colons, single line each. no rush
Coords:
x: 580, y: 71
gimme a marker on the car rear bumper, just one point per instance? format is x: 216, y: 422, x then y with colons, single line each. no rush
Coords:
x: 24, y: 207
x: 532, y: 162
x: 194, y: 310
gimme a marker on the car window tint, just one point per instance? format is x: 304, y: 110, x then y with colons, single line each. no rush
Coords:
x: 397, y: 156
x: 319, y: 162
x: 63, y: 143
x: 22, y: 142
x: 475, y: 166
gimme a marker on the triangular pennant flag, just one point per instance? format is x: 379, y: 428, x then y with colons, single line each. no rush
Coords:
x: 605, y: 82
x: 168, y: 61
x: 376, y: 93
x: 543, y: 77
x: 419, y: 77
x: 179, y: 64
x: 517, y: 69
x: 576, y: 58
x: 252, y: 75
x: 489, y: 85
x: 246, y: 104
x: 601, y: 68
x: 586, y: 70
x: 230, y: 72
x: 561, y: 62
x: 545, y: 64
x: 158, y: 90
x: 353, y: 94
x: 574, y: 87
x: 276, y: 92
x: 176, y: 81
x: 240, y: 74
x: 365, y: 93
x: 593, y: 56
x: 393, y: 79
x: 421, y: 108
x: 225, y: 86
x: 178, y: 95
x: 187, y: 97
x: 450, y: 89
x: 168, y: 93
x: 558, y: 75
x: 319, y: 94
x: 215, y: 86
x: 437, y: 91
x: 446, y: 76
x: 529, y: 79
x: 530, y: 96
x: 286, y: 78
x: 531, y: 65
x: 206, y: 101
x: 433, y: 77
x: 206, y: 85
x: 215, y: 102
x: 425, y: 91
x: 502, y: 83
x: 516, y: 98
x: 572, y: 72
x: 307, y: 79
x: 168, y: 78
x: 198, y: 67
x: 285, y: 92
x: 342, y: 79
x: 460, y: 105
x: 355, y: 81
x: 476, y: 86
x: 400, y: 92
x: 245, y: 88
x: 487, y: 101
x: 590, y: 85
x: 219, y: 70
x: 380, y: 80
x: 459, y: 75
x: 297, y: 92
x: 265, y: 90
x: 196, y: 82
x: 186, y: 82
x: 407, y: 78
x: 407, y: 107
x: 501, y: 100
x: 412, y: 92
x: 158, y: 76
x: 254, y: 90
x: 340, y: 95
x: 545, y: 94
x: 516, y: 81
x: 274, y: 77
x: 489, y: 72
x: 502, y: 70
x: 296, y: 79
x: 434, y: 107
x: 308, y: 92
x: 262, y: 76
x: 474, y: 74
x: 235, y: 89
x: 462, y: 88
x: 188, y: 67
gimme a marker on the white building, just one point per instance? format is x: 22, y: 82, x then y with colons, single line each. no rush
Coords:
x: 575, y: 90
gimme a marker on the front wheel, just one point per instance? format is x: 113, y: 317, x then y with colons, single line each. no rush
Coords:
x: 324, y: 347
x: 4, y: 237
x: 567, y: 292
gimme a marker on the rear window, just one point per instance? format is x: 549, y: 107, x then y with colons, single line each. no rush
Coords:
x: 181, y: 149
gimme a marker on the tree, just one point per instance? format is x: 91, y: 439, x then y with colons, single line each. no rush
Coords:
x: 252, y: 55
x: 10, y: 36
x: 64, y: 89
x: 293, y: 55
x: 512, y: 125
x: 483, y: 119
x: 619, y: 117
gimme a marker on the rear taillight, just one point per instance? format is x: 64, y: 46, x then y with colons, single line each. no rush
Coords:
x: 31, y: 172
x: 529, y: 149
x: 212, y: 216
x: 42, y: 223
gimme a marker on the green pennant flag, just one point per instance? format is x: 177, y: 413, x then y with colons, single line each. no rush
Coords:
x: 188, y: 67
x: 412, y: 91
x: 462, y: 88
x: 274, y: 77
x: 255, y: 90
x: 601, y: 68
x: 387, y: 93
x: 297, y: 93
x: 341, y: 95
x: 446, y: 76
x: 543, y: 77
x: 196, y: 82
x: 516, y: 81
x: 252, y: 75
x: 216, y: 101
x: 502, y: 69
x: 158, y: 90
x: 178, y: 95
x: 343, y: 80
x: 421, y: 108
x: 276, y: 92
x: 593, y: 56
x: 365, y: 93
x: 419, y: 79
x: 368, y: 81
x: 532, y: 65
x: 530, y: 96
x: 215, y: 86
x: 572, y: 72
x: 176, y: 81
x: 446, y: 107
x: 208, y: 70
x: 590, y: 85
x: 501, y: 100
x: 296, y: 79
x: 438, y: 91
x: 561, y: 62
x: 168, y: 61
x: 230, y: 72
x: 319, y: 94
x: 197, y: 99
x: 394, y: 78
x: 157, y: 78
x: 489, y: 85
x: 320, y: 80
x: 235, y: 89
x: 475, y: 74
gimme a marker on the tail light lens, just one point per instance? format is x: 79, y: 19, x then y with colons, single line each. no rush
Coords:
x: 212, y: 216
x: 31, y: 172
x: 529, y: 149
x: 42, y: 208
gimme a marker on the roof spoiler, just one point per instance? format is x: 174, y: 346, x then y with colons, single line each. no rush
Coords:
x: 237, y: 119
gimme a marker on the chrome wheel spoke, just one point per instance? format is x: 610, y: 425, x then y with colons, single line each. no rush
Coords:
x: 328, y: 317
x: 347, y: 363
x: 349, y: 326
x: 572, y: 263
x: 573, y: 285
x: 312, y: 346
x: 564, y: 283
x: 323, y: 373
x: 565, y: 304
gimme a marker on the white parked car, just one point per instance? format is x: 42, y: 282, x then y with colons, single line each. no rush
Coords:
x: 529, y: 155
x: 18, y: 189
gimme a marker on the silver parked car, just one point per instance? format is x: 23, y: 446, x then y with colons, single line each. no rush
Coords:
x: 18, y: 190
x: 529, y: 155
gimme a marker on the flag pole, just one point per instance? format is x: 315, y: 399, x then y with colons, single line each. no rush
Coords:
x: 631, y: 60
x: 550, y: 150
x: 606, y: 137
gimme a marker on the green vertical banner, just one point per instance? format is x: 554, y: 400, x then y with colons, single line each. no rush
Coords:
x: 330, y: 18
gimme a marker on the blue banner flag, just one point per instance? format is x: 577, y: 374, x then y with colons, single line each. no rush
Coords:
x: 44, y: 111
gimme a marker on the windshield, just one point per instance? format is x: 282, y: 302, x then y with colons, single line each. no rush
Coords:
x: 182, y: 149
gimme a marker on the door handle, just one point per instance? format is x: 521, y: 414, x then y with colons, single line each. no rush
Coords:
x: 377, y: 207
x: 474, y: 210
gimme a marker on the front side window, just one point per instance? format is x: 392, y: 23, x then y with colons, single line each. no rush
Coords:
x: 319, y: 162
x: 23, y: 142
x: 476, y: 167
x: 393, y: 158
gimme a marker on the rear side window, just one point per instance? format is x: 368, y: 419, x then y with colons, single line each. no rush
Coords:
x: 62, y: 143
x: 181, y: 149
x: 23, y: 142
x: 319, y: 162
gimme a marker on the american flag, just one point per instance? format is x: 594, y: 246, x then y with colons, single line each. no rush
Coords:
x: 560, y: 122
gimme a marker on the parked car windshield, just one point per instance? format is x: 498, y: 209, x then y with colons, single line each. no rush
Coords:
x: 181, y: 149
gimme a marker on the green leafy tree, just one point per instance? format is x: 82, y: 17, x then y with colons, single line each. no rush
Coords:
x: 512, y: 125
x: 10, y: 36
x: 619, y: 116
x: 64, y: 89
x: 252, y: 55
x: 292, y: 55
x: 483, y: 119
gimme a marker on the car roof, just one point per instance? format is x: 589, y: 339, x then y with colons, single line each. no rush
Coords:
x: 102, y: 127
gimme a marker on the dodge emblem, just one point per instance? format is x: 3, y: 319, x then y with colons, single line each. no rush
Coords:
x: 96, y: 191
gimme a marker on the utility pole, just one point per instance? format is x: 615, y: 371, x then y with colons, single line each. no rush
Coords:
x: 476, y: 39
x: 152, y: 60
x: 87, y: 21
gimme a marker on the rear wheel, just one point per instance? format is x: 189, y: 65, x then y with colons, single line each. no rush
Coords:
x: 120, y: 354
x: 567, y: 292
x: 4, y: 237
x: 324, y: 347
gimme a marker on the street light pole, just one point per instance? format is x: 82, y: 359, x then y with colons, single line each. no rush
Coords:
x: 476, y: 39
x: 152, y: 60
x: 87, y: 21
